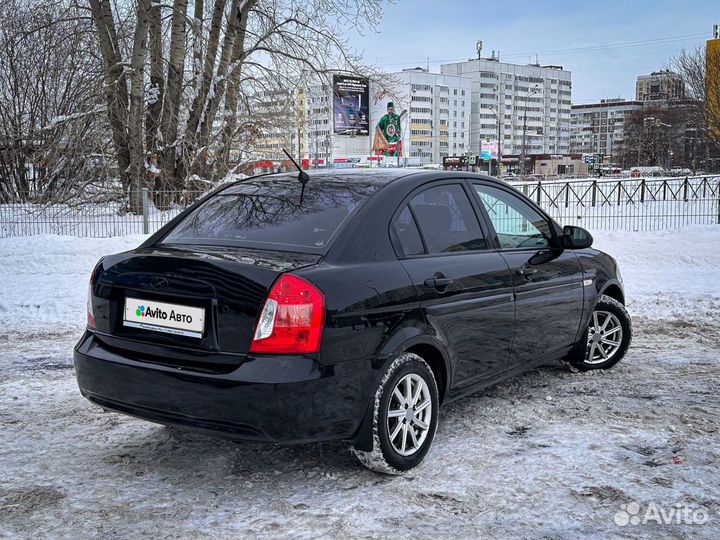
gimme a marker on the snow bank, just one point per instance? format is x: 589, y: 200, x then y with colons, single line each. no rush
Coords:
x: 44, y: 279
x: 668, y: 275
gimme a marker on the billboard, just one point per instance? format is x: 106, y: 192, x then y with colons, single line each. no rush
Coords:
x: 387, y: 114
x: 351, y: 105
x: 488, y: 150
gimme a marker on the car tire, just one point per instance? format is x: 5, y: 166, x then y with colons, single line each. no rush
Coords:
x: 599, y: 347
x: 391, y: 431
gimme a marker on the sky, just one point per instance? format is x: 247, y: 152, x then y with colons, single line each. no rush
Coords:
x: 606, y: 44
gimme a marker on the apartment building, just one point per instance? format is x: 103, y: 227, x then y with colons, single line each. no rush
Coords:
x: 598, y: 128
x: 512, y: 99
x: 437, y: 124
x: 659, y: 85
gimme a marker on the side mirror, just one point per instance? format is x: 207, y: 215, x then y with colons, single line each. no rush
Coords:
x: 576, y: 237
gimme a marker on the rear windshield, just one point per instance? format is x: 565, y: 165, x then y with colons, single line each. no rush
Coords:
x: 266, y: 214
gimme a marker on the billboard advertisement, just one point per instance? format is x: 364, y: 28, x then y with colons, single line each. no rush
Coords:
x: 351, y: 105
x: 488, y: 150
x: 387, y: 136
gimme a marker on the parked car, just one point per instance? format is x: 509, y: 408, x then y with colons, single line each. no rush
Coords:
x: 349, y: 308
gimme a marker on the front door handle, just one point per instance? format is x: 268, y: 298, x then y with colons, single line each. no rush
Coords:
x: 438, y: 282
x: 526, y: 272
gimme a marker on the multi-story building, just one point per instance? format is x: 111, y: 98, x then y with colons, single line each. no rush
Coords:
x: 659, y: 85
x: 531, y: 104
x: 712, y: 82
x: 276, y: 115
x: 598, y: 128
x: 436, y: 123
x: 438, y: 107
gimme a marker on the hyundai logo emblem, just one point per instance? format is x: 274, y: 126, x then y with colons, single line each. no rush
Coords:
x: 159, y: 283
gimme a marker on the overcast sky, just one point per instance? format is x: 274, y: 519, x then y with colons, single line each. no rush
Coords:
x: 606, y: 44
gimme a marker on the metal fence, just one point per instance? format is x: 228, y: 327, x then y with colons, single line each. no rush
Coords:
x: 623, y: 204
x: 98, y: 219
x: 630, y: 204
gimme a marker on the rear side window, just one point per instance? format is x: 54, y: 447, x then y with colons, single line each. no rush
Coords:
x: 267, y: 214
x: 446, y: 220
x: 407, y: 235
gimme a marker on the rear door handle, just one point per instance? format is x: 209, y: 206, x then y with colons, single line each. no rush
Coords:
x: 438, y: 282
x: 526, y: 272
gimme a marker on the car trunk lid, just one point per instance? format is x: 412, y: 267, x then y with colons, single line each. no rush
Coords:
x: 227, y: 285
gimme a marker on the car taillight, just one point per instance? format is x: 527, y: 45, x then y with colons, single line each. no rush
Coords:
x: 292, y: 319
x: 94, y: 275
x: 91, y: 323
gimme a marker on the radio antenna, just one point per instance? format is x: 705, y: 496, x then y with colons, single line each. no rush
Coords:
x: 303, y: 177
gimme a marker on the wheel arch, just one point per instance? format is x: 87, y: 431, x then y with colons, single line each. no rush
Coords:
x: 613, y: 290
x: 434, y: 354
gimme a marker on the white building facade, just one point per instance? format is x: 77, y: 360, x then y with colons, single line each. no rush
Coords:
x: 514, y: 96
x: 598, y: 128
x: 437, y: 124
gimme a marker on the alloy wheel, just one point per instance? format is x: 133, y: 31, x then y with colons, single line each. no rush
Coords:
x: 605, y: 335
x: 409, y: 414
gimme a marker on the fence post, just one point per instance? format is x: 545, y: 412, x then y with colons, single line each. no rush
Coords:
x: 685, y: 189
x: 642, y: 190
x: 537, y: 195
x: 146, y: 210
x: 594, y: 192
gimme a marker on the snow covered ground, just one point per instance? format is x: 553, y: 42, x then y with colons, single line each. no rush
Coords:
x: 551, y: 454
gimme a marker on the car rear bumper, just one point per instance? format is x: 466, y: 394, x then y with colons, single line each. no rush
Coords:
x: 276, y: 399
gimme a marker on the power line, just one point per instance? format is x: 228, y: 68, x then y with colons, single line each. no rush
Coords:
x: 574, y: 50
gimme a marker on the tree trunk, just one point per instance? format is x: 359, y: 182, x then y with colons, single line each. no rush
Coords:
x: 171, y: 106
x: 197, y: 29
x: 137, y: 172
x: 233, y: 92
x: 116, y: 92
x: 157, y: 83
x: 208, y: 70
x: 218, y: 85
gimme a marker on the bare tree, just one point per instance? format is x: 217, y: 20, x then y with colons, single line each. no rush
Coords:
x: 52, y: 130
x: 701, y: 74
x: 185, y: 117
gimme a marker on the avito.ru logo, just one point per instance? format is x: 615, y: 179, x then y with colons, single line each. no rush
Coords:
x: 157, y: 313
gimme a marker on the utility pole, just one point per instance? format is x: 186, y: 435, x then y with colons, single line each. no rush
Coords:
x: 522, y: 149
x: 316, y: 149
x: 499, y: 147
x: 532, y: 91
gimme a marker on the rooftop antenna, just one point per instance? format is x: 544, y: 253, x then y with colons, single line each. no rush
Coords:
x: 478, y: 48
x: 303, y: 177
x: 537, y: 62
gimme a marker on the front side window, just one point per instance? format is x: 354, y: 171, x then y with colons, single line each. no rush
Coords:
x: 516, y: 223
x: 446, y: 220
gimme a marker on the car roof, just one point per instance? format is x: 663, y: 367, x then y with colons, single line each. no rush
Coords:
x: 378, y: 177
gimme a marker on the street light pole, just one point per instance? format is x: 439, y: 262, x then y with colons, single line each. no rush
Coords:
x: 532, y: 91
x: 499, y: 148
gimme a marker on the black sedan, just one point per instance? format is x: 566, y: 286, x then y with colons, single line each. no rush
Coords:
x: 348, y: 307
